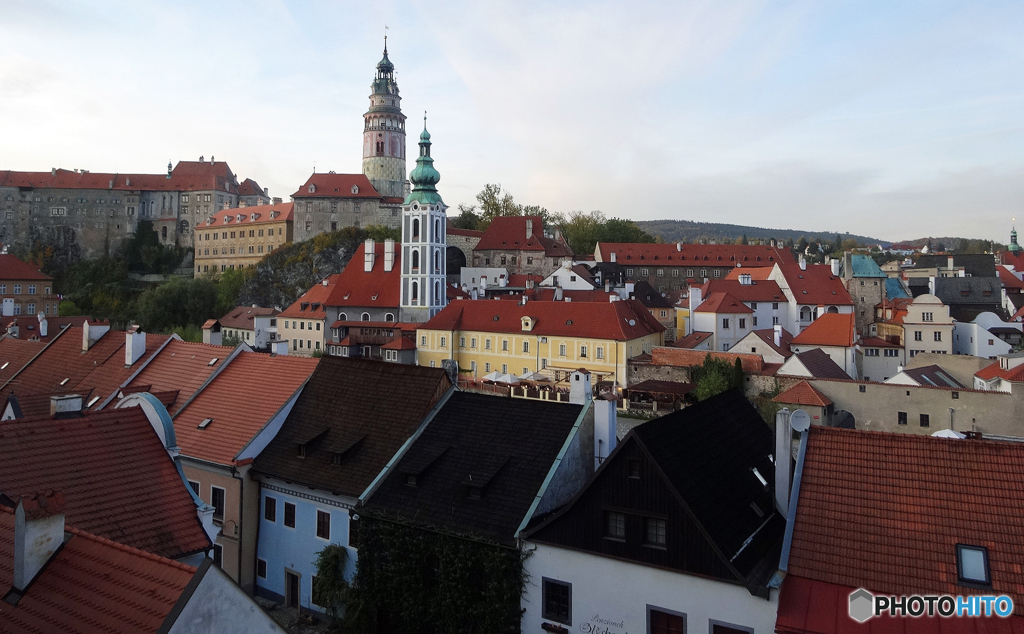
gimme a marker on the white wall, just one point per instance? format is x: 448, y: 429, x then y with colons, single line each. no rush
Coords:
x: 611, y: 596
x: 566, y: 280
x: 219, y: 605
x: 881, y: 367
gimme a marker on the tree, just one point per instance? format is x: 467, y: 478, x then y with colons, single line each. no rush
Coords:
x: 737, y: 375
x: 467, y: 218
x: 494, y: 203
x: 329, y: 586
x: 713, y: 377
x: 837, y: 244
x: 231, y: 340
x: 744, y: 240
x: 940, y: 247
x: 801, y: 246
x: 229, y: 287
x: 177, y: 303
x: 380, y: 233
x: 581, y: 230
x: 619, y: 230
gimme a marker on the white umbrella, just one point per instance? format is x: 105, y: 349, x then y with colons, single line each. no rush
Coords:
x: 506, y: 378
x: 493, y: 376
x: 949, y: 433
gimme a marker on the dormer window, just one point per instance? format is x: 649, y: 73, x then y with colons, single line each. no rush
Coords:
x: 410, y: 479
x: 203, y: 424
x: 760, y: 478
x: 312, y: 188
x: 527, y: 323
x: 355, y: 189
x: 972, y: 565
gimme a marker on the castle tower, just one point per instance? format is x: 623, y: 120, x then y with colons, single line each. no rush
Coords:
x: 1014, y: 247
x: 384, y: 133
x: 423, y: 240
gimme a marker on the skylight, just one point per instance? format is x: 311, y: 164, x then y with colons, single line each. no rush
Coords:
x: 212, y: 361
x: 972, y: 564
x: 205, y: 423
x: 65, y: 380
x: 6, y: 363
x: 760, y: 478
x: 92, y: 401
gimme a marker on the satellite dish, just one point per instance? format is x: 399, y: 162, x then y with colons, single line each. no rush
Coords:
x: 800, y: 420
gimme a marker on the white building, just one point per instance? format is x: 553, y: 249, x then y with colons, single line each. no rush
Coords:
x: 977, y: 339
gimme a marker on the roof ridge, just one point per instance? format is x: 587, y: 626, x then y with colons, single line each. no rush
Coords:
x: 129, y: 549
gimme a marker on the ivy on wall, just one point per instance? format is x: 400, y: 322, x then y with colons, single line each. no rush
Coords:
x: 411, y: 579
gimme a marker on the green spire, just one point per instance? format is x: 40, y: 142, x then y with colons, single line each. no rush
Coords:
x: 424, y: 177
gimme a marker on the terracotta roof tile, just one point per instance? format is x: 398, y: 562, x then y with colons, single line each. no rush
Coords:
x: 558, y: 319
x: 241, y: 317
x: 117, y: 478
x: 63, y: 363
x: 266, y: 383
x: 93, y: 584
x: 182, y: 366
x: 885, y: 511
x: 830, y: 329
x: 311, y: 304
x: 756, y: 291
x: 803, y: 393
x: 816, y: 285
x: 16, y: 269
x: 14, y: 354
x: 767, y: 335
x: 709, y: 254
x: 186, y: 176
x: 680, y: 357
x: 248, y: 216
x: 508, y: 233
x: 1008, y: 279
x: 377, y: 288
x: 723, y: 304
x: 692, y: 340
x: 330, y: 185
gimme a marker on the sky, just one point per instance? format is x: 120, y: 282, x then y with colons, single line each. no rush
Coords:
x: 896, y: 120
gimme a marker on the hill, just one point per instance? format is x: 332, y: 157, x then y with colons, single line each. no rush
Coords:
x: 690, y: 231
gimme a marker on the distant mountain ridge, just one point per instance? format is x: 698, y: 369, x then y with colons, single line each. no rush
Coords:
x: 690, y: 231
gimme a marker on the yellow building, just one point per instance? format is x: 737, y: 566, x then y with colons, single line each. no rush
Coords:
x: 516, y: 338
x: 239, y: 238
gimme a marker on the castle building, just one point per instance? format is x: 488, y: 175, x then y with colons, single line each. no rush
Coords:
x: 424, y: 223
x: 384, y: 133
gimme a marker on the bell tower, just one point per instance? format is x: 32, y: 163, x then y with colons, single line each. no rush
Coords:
x: 384, y: 133
x: 424, y: 218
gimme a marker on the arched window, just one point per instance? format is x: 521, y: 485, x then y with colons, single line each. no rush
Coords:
x: 832, y: 309
x: 342, y: 317
x: 365, y: 317
x: 805, y: 313
x: 437, y: 230
x: 437, y: 261
x: 415, y: 228
x: 415, y: 292
x: 389, y: 317
x: 437, y: 292
x: 415, y: 260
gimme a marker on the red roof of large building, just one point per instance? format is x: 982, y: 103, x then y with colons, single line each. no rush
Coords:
x: 816, y: 285
x: 117, y: 478
x: 756, y: 273
x: 756, y: 291
x: 619, y: 321
x: 242, y: 317
x: 1008, y: 279
x: 249, y: 187
x: 682, y: 357
x: 186, y: 176
x: 830, y: 329
x: 677, y: 254
x: 331, y: 185
x: 509, y: 233
x: 29, y: 325
x: 355, y: 286
x: 803, y: 393
x: 886, y: 511
x: 724, y: 304
x: 14, y: 354
x: 91, y: 584
x: 248, y: 216
x: 14, y: 268
x: 267, y: 383
x: 183, y: 366
x: 312, y: 304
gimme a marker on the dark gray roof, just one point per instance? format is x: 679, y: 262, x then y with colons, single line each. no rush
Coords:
x: 649, y: 296
x: 505, y: 446
x: 820, y: 365
x: 932, y: 375
x: 975, y: 264
x: 968, y: 290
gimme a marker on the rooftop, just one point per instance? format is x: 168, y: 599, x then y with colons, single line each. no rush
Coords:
x: 355, y: 286
x: 311, y: 305
x: 331, y: 185
x: 803, y: 393
x: 508, y: 233
x: 183, y: 366
x: 723, y: 304
x: 255, y: 215
x: 14, y: 269
x: 242, y: 317
x: 829, y: 329
x: 815, y: 285
x: 677, y: 254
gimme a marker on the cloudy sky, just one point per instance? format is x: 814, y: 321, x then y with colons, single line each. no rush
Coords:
x: 891, y: 119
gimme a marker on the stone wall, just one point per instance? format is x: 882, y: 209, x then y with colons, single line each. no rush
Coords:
x: 314, y: 216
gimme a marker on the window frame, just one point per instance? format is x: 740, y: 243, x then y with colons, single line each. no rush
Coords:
x: 732, y: 626
x: 270, y: 508
x: 965, y: 581
x: 285, y: 515
x: 614, y: 535
x: 667, y: 611
x: 320, y: 515
x: 224, y: 499
x: 549, y: 616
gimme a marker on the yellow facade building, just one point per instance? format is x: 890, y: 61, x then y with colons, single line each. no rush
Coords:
x: 240, y: 238
x: 538, y: 336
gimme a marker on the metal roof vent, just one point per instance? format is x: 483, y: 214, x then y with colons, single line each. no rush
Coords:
x: 205, y: 423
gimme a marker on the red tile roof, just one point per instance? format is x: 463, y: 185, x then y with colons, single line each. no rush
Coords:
x: 830, y: 329
x: 249, y: 216
x: 673, y: 254
x: 117, y: 478
x: 877, y: 342
x: 241, y: 317
x: 519, y: 280
x: 29, y: 325
x: 692, y: 340
x: 723, y: 304
x: 756, y: 273
x: 990, y: 372
x: 803, y: 393
x: 467, y: 233
x: 91, y: 585
x: 249, y: 187
x: 63, y: 359
x: 332, y: 185
x: 267, y: 383
x: 619, y: 321
x: 885, y: 512
x: 15, y: 269
x: 377, y: 288
x: 816, y: 285
x: 767, y: 335
x: 311, y: 305
x: 508, y: 233
x: 1008, y: 279
x: 756, y: 291
x: 182, y: 366
x: 14, y: 354
x: 186, y: 176
x: 680, y: 357
x: 105, y: 380
x: 400, y: 343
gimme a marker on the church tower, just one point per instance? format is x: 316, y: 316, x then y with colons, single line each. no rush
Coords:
x: 384, y: 133
x: 423, y: 240
x: 1014, y: 248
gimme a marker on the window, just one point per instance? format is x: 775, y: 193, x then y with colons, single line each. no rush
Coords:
x: 561, y: 350
x: 615, y: 525
x: 504, y: 368
x: 17, y: 289
x: 863, y: 388
x: 583, y: 352
x: 31, y: 309
x: 191, y: 483
x: 31, y: 289
x: 924, y: 420
x: 487, y: 368
x: 462, y: 342
x: 871, y: 352
x: 661, y: 272
x: 526, y: 346
x: 661, y: 621
x: 644, y: 273
x: 775, y: 305
x: 926, y: 317
x: 487, y: 344
x: 217, y: 500
x: 917, y: 335
x: 972, y: 564
x: 289, y: 515
x: 218, y: 555
x: 717, y: 627
x: 938, y: 336
x: 423, y: 341
x: 629, y: 272
x: 270, y: 509
x: 725, y: 322
x: 743, y: 322
x: 323, y: 524
x: 901, y: 418
x: 353, y: 530
x: 633, y: 469
x: 656, y: 531
x: 444, y: 341
x: 675, y: 272
x: 892, y: 352
x: 504, y: 345
x: 261, y: 568
x: 599, y: 353
x: 556, y: 601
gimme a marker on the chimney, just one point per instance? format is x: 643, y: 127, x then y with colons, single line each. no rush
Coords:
x: 931, y: 285
x: 803, y: 263
x: 168, y: 169
x: 67, y: 406
x: 200, y: 158
x: 579, y: 387
x: 778, y: 335
x: 745, y: 279
x: 949, y: 262
x: 53, y: 171
x: 91, y: 333
x: 695, y: 298
x: 607, y: 286
x: 783, y: 460
x: 43, y: 325
x: 604, y: 427
x: 134, y: 346
x: 369, y: 254
x: 38, y: 533
x: 8, y: 307
x: 529, y: 228
x: 835, y: 267
x: 558, y: 294
x: 389, y: 255
x: 613, y: 257
x: 279, y: 348
x: 679, y: 246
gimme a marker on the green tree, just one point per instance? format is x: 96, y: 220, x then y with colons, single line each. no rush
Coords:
x: 380, y: 233
x: 69, y: 308
x: 177, y: 303
x: 467, y: 218
x: 232, y: 340
x: 229, y: 287
x: 737, y: 376
x: 713, y: 377
x: 940, y: 247
x: 801, y: 246
x: 581, y: 230
x: 494, y: 203
x: 744, y: 240
x: 619, y: 230
x: 330, y: 589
